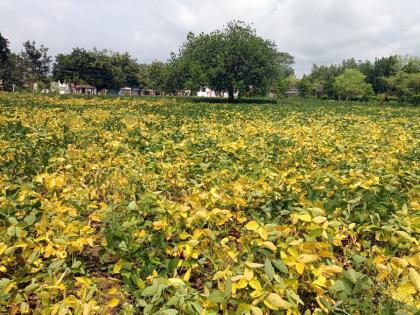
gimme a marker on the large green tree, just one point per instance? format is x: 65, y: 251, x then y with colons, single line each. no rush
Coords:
x: 104, y: 69
x: 158, y: 76
x: 232, y: 59
x: 4, y: 51
x: 322, y: 79
x: 4, y: 57
x: 351, y: 84
x: 380, y: 69
x: 409, y: 64
x: 36, y: 63
x: 12, y: 70
x: 406, y: 86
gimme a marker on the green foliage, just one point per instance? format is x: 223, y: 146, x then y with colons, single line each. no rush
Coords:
x: 323, y: 77
x: 103, y: 69
x: 36, y: 63
x: 305, y: 86
x: 158, y: 74
x: 285, y: 84
x: 232, y: 59
x: 406, y: 86
x: 4, y: 52
x: 31, y: 66
x: 351, y: 85
x: 409, y: 64
x: 381, y: 68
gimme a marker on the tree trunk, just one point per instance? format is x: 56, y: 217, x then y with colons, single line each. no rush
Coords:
x: 231, y: 95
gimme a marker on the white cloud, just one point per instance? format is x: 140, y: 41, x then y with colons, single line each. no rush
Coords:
x: 321, y: 31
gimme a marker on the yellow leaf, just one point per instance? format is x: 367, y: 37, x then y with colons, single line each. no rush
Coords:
x: 263, y: 232
x: 184, y: 235
x: 256, y: 311
x: 306, y: 259
x: 332, y: 269
x: 277, y: 301
x: 270, y: 246
x: 117, y: 266
x: 414, y: 278
x: 255, y: 284
x: 403, y: 292
x: 95, y: 217
x: 414, y: 261
x: 232, y: 255
x: 113, y: 290
x: 187, y: 275
x: 253, y: 265
x: 112, y: 303
x: 188, y: 250
x: 85, y: 281
x: 241, y: 284
x: 252, y: 225
x: 176, y: 281
x: 158, y: 225
x: 300, y: 267
x: 270, y: 306
x: 319, y: 219
x: 404, y: 235
x: 248, y: 274
x: 256, y: 293
x: 305, y: 217
x: 237, y: 278
x: 320, y: 282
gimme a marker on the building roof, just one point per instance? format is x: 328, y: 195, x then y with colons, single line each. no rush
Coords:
x: 84, y: 86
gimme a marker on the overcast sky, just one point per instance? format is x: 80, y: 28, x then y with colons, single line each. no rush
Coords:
x: 320, y: 31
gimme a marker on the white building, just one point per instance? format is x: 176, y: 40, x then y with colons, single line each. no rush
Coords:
x: 60, y: 88
x: 207, y: 92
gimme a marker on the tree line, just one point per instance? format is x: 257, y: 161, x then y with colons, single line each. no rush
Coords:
x: 386, y: 78
x: 233, y: 59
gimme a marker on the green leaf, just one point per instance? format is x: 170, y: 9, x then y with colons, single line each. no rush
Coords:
x: 13, y: 220
x: 149, y: 291
x: 76, y: 264
x: 11, y: 231
x: 228, y: 288
x: 358, y: 260
x: 132, y: 206
x: 351, y: 275
x: 31, y: 288
x: 280, y: 266
x: 195, y: 307
x: 30, y: 219
x: 217, y: 296
x: 56, y: 264
x: 342, y: 286
x: 269, y: 269
x: 316, y: 233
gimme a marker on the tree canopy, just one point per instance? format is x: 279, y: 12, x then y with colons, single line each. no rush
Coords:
x: 232, y: 59
x: 351, y: 84
x: 36, y: 63
x: 4, y: 50
x: 406, y: 86
x: 103, y: 69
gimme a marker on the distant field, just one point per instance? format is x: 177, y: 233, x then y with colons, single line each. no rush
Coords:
x: 165, y: 206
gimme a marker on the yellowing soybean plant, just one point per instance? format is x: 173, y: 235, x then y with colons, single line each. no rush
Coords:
x: 164, y: 206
